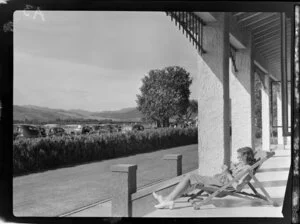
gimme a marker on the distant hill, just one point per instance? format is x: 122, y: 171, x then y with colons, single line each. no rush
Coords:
x: 123, y: 114
x: 44, y: 114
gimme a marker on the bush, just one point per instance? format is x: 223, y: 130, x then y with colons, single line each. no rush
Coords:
x: 32, y: 155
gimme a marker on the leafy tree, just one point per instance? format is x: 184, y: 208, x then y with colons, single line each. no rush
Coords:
x: 164, y: 94
x: 192, y: 109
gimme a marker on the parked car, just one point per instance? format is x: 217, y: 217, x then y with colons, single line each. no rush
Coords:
x: 73, y: 129
x: 126, y: 129
x: 109, y: 128
x: 56, y: 131
x: 42, y: 131
x: 78, y: 130
x: 26, y: 131
x: 86, y: 129
x: 96, y: 129
x: 138, y: 127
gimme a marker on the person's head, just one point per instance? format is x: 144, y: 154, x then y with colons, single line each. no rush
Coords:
x: 246, y: 155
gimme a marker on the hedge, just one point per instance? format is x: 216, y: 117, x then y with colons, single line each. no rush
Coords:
x: 33, y: 155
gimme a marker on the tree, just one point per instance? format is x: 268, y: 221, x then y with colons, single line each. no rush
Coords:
x: 164, y: 94
x: 192, y: 109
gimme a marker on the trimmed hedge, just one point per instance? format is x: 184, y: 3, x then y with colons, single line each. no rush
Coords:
x: 32, y: 155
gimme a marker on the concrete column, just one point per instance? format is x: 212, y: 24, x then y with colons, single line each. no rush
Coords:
x: 174, y: 163
x: 265, y: 114
x: 287, y: 141
x: 242, y: 108
x: 279, y: 119
x: 213, y: 100
x: 123, y: 185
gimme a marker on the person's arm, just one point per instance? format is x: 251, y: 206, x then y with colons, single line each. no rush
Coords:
x: 239, y: 170
x: 238, y: 184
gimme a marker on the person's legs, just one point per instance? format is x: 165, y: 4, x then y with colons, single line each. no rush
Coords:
x: 182, y: 186
x: 168, y: 201
x: 178, y: 190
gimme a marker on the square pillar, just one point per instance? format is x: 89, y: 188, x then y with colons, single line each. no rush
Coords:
x: 122, y: 186
x: 265, y: 113
x: 279, y: 119
x: 287, y: 139
x: 242, y: 96
x: 213, y: 98
x: 174, y: 163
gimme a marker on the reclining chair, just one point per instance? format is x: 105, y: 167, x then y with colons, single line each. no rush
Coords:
x: 222, y: 191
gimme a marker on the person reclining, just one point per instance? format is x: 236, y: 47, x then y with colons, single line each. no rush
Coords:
x: 245, y: 158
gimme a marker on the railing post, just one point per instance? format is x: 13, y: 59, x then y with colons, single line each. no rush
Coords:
x: 123, y: 185
x: 174, y: 163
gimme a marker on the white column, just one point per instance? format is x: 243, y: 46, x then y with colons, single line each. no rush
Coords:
x: 265, y: 114
x: 279, y: 119
x: 288, y: 138
x: 213, y: 100
x: 241, y: 102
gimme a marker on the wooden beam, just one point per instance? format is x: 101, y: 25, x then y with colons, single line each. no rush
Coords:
x: 276, y: 61
x: 271, y: 42
x: 271, y: 51
x: 271, y: 55
x: 274, y: 56
x: 259, y: 20
x: 238, y: 13
x: 266, y: 23
x: 274, y: 25
x: 249, y: 17
x: 263, y: 40
x: 265, y: 36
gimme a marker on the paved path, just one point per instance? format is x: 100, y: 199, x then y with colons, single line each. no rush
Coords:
x: 55, y: 192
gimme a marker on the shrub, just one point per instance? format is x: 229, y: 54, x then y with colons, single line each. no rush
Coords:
x: 32, y: 155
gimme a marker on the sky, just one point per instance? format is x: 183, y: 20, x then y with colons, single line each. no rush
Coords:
x: 93, y: 61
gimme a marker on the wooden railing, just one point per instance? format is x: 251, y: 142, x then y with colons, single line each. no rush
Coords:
x: 232, y: 54
x: 191, y: 25
x: 127, y: 200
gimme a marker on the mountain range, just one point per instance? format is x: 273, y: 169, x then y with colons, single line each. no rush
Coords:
x: 44, y: 114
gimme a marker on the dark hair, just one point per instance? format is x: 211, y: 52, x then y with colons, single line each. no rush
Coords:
x: 248, y: 153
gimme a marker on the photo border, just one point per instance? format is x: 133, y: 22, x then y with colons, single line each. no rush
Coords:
x: 291, y: 199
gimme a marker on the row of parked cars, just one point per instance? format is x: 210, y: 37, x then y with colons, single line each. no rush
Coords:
x: 35, y: 131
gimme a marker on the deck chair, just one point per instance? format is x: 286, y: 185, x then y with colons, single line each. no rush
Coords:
x: 222, y: 191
